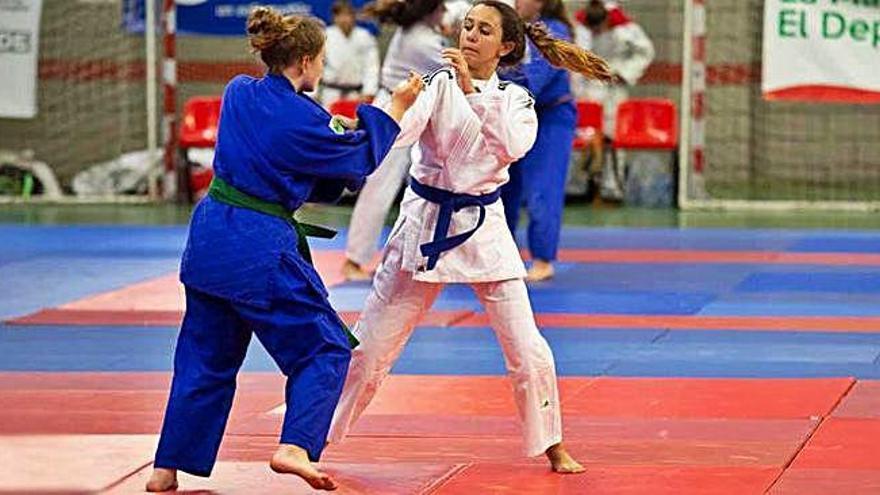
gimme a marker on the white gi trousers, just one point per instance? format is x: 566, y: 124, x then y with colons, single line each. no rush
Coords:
x: 373, y: 203
x: 395, y: 306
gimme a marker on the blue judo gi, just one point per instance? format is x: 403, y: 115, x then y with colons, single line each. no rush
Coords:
x: 243, y: 273
x: 538, y: 179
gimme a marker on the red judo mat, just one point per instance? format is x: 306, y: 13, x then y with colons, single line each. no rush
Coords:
x: 458, y: 435
x: 464, y: 318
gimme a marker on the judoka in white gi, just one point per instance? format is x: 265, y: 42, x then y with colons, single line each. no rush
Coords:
x: 351, y: 64
x: 628, y: 50
x: 470, y: 126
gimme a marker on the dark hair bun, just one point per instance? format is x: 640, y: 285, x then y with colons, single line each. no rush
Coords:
x: 405, y: 13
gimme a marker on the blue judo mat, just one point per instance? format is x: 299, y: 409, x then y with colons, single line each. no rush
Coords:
x: 474, y: 351
x: 47, y: 266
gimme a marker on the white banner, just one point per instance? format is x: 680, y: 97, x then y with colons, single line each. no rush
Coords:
x: 822, y: 50
x: 19, y: 41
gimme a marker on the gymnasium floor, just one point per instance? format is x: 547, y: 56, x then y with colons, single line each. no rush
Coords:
x: 693, y: 357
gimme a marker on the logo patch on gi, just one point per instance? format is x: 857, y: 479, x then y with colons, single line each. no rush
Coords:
x: 337, y: 126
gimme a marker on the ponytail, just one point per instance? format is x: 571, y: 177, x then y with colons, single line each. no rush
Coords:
x: 558, y: 52
x: 566, y: 55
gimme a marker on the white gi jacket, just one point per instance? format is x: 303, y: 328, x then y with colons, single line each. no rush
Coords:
x: 416, y: 48
x: 629, y: 52
x: 584, y: 39
x: 467, y: 145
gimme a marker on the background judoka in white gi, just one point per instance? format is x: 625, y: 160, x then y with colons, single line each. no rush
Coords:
x: 628, y: 50
x: 414, y: 48
x: 351, y: 58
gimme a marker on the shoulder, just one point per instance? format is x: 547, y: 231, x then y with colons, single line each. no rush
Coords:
x: 237, y: 83
x: 312, y: 107
x: 241, y: 80
x: 617, y: 17
x: 424, y: 35
x: 582, y: 36
x: 557, y: 28
x: 415, y: 45
x: 334, y: 35
x: 516, y: 92
x: 363, y: 35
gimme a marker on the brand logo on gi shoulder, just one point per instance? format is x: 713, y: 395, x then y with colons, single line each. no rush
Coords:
x: 15, y: 42
x: 14, y: 5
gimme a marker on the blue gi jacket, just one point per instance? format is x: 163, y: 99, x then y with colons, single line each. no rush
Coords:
x: 277, y: 145
x: 549, y: 85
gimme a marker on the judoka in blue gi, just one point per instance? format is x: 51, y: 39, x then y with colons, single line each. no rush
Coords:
x: 538, y: 179
x: 246, y: 267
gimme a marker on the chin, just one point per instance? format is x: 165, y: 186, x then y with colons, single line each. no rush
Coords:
x: 470, y: 57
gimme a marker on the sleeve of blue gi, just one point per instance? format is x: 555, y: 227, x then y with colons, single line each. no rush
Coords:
x: 315, y: 148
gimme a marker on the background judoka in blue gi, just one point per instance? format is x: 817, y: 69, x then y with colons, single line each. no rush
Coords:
x: 538, y: 179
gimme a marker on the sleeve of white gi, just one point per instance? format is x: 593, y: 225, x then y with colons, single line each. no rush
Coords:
x: 640, y: 53
x: 414, y: 121
x: 509, y: 124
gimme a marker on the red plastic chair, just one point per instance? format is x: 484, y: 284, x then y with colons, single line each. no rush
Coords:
x: 198, y: 129
x: 645, y: 124
x: 648, y: 123
x: 201, y: 116
x: 589, y: 123
x: 346, y: 108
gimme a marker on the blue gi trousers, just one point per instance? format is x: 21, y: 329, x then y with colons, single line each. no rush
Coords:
x: 307, y: 344
x: 538, y: 179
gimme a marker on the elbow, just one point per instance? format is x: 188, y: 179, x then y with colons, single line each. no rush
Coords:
x: 522, y: 150
x: 514, y: 153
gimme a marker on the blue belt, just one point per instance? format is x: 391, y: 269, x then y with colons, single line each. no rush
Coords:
x: 450, y: 203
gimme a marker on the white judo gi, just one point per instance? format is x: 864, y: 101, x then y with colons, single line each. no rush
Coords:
x: 467, y: 144
x: 629, y: 52
x: 351, y: 65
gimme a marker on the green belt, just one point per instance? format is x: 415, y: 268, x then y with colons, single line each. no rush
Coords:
x: 223, y: 192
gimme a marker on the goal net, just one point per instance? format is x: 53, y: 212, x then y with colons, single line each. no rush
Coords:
x: 91, y: 94
x: 765, y: 154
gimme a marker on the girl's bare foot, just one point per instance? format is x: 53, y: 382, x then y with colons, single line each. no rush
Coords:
x: 561, y: 462
x: 354, y: 272
x: 290, y: 459
x: 540, y: 270
x: 162, y: 480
